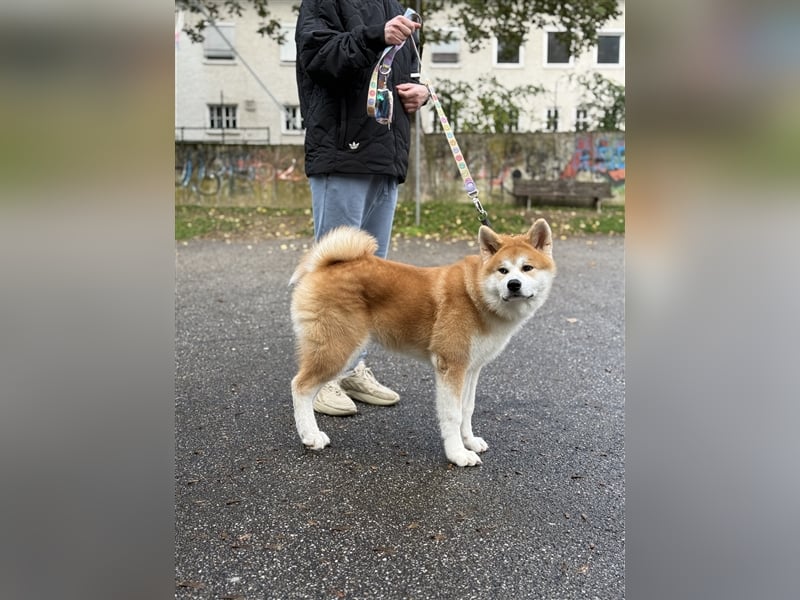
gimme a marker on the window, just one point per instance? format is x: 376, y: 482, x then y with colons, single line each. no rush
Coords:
x: 609, y: 46
x: 292, y: 119
x: 508, y: 51
x: 557, y: 50
x: 222, y: 116
x: 447, y: 53
x: 552, y: 119
x: 288, y: 46
x: 513, y: 120
x: 215, y: 47
x: 581, y: 119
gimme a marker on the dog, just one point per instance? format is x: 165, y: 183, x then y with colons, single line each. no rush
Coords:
x: 459, y: 317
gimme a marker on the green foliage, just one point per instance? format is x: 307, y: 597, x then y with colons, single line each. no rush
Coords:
x: 213, y: 10
x: 508, y: 20
x: 606, y: 102
x: 485, y: 105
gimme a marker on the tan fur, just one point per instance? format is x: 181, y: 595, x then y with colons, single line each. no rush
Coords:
x: 452, y: 315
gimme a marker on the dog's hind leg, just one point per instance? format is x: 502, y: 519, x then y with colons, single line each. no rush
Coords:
x: 319, y: 363
x: 450, y: 383
x: 471, y: 441
x: 303, y: 398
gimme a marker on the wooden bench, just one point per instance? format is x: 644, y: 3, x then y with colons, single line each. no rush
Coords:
x: 561, y: 191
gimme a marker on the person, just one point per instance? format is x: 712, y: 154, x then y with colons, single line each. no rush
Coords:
x: 355, y: 163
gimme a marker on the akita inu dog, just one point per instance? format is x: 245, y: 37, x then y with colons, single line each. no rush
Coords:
x: 459, y: 317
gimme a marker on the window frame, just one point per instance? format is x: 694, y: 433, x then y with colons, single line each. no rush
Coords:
x: 585, y: 121
x: 546, y: 49
x: 292, y: 112
x: 287, y: 51
x: 620, y: 59
x: 506, y: 65
x: 431, y: 49
x: 548, y: 118
x: 224, y: 116
x: 213, y: 33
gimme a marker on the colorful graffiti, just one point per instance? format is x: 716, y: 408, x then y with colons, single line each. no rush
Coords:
x: 206, y: 172
x: 597, y: 154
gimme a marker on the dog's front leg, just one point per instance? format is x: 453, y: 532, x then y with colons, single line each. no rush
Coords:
x: 449, y: 386
x: 304, y: 418
x: 471, y: 441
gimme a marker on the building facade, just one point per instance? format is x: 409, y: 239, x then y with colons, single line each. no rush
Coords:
x: 238, y: 87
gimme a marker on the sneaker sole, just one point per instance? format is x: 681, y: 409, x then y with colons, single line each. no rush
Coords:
x: 334, y: 412
x: 366, y: 398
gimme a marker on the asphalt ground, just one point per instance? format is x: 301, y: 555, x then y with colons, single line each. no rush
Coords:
x: 381, y: 513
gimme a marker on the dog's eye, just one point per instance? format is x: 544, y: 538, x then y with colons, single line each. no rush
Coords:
x: 502, y: 270
x: 527, y: 268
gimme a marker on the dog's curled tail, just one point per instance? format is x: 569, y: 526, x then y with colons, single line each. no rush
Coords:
x: 338, y: 245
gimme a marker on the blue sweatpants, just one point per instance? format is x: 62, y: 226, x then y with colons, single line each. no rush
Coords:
x: 364, y: 201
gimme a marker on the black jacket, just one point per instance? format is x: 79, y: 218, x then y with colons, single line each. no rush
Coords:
x: 339, y: 42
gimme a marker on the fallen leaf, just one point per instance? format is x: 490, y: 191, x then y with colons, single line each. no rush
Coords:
x: 195, y: 585
x: 583, y: 569
x: 572, y: 320
x: 274, y: 547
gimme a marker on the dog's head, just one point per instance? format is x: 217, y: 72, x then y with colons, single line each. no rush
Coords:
x: 518, y: 270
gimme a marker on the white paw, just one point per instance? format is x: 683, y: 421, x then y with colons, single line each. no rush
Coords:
x: 464, y: 458
x: 316, y: 440
x: 476, y: 443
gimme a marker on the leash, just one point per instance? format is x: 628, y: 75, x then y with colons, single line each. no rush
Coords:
x: 380, y: 105
x: 380, y: 101
x: 463, y: 169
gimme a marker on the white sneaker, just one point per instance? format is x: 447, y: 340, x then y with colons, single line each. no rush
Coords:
x: 331, y: 400
x: 362, y: 385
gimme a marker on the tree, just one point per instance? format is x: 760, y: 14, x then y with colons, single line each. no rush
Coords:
x: 214, y: 10
x: 607, y: 102
x: 508, y: 20
x: 484, y: 105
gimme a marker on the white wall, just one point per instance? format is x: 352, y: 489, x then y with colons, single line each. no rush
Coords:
x: 199, y: 82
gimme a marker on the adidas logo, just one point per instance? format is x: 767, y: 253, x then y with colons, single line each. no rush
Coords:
x: 354, y: 145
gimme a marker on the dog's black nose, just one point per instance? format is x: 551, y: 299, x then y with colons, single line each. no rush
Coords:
x: 514, y: 285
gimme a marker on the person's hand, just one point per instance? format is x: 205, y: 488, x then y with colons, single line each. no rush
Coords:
x: 412, y: 96
x: 399, y: 30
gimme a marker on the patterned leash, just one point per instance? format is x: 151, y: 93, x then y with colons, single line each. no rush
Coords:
x: 380, y: 105
x: 380, y: 101
x: 469, y: 183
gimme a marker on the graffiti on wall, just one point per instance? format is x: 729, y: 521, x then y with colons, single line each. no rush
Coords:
x: 597, y: 156
x: 275, y: 175
x: 225, y: 172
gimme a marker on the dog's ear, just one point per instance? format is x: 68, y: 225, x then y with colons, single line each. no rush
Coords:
x: 489, y: 242
x: 541, y: 237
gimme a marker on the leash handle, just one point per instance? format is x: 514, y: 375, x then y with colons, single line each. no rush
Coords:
x: 380, y: 99
x: 380, y: 106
